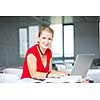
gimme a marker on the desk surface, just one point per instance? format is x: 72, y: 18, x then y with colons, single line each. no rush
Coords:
x: 65, y: 79
x: 93, y: 74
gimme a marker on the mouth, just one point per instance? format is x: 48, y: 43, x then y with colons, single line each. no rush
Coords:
x: 46, y: 46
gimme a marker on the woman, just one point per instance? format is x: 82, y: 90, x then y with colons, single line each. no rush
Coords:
x: 38, y: 60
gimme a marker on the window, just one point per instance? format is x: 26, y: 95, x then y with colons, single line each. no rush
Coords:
x: 57, y: 40
x: 22, y: 41
x: 63, y: 42
x: 33, y: 34
x: 68, y: 41
x: 27, y: 38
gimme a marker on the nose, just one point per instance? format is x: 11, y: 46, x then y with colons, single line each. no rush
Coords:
x: 47, y: 41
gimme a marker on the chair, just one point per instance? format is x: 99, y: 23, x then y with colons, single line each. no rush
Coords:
x: 15, y: 71
x: 8, y: 78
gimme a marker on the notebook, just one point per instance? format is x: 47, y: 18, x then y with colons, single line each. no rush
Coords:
x: 82, y: 64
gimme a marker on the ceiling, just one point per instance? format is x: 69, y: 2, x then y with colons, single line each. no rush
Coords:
x: 66, y: 19
x: 50, y: 19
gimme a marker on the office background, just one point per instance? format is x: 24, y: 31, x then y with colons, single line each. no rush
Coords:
x: 86, y: 35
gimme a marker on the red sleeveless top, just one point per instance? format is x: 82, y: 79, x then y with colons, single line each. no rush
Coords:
x: 40, y: 67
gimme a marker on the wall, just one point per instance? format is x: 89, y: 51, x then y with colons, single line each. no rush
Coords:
x: 87, y: 38
x: 9, y: 45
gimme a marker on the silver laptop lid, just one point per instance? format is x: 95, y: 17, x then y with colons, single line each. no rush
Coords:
x: 82, y: 64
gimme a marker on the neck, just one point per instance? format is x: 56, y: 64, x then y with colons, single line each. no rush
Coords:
x: 42, y: 53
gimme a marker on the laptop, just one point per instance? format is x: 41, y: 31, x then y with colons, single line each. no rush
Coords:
x: 82, y: 64
x: 79, y: 70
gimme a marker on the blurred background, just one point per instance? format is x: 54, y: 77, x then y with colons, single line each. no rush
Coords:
x: 73, y: 35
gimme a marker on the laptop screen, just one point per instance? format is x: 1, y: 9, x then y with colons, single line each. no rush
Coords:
x: 82, y: 64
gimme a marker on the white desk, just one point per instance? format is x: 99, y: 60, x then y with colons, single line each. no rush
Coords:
x: 93, y: 74
x: 65, y: 79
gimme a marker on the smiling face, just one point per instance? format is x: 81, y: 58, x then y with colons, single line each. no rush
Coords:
x: 45, y: 39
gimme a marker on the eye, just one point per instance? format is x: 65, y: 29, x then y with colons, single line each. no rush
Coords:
x: 49, y: 39
x: 44, y: 37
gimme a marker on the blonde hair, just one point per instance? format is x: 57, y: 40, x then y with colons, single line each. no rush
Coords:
x: 46, y: 28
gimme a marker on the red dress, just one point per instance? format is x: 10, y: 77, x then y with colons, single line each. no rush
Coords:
x: 40, y: 67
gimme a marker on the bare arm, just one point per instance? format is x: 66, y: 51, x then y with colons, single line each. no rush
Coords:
x: 32, y: 65
x: 55, y: 73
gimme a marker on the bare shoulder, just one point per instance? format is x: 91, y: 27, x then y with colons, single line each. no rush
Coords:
x: 31, y: 56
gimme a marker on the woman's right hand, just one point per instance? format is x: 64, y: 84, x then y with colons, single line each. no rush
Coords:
x: 58, y: 74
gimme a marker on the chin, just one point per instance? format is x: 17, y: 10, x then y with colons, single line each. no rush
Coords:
x: 45, y: 47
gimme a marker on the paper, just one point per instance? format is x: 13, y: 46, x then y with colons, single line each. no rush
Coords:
x: 65, y: 79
